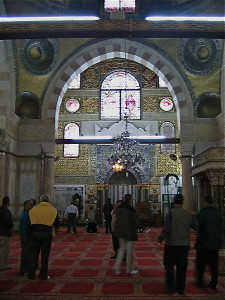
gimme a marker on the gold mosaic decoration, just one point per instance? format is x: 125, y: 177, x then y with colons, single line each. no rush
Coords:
x: 150, y: 104
x: 89, y: 78
x: 73, y: 166
x: 90, y: 105
x: 165, y: 165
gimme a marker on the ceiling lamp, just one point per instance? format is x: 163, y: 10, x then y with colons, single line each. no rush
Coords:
x: 125, y: 154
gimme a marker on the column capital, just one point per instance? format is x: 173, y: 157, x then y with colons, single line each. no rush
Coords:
x: 186, y: 149
x: 216, y: 176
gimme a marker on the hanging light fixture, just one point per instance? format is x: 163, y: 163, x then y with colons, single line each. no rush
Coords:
x: 125, y: 153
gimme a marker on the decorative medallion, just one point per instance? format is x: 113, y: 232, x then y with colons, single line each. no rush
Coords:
x: 200, y: 56
x: 166, y: 104
x: 28, y: 106
x: 39, y: 56
x: 72, y: 105
x: 208, y: 105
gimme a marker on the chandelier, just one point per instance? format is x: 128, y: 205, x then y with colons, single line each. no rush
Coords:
x: 126, y: 151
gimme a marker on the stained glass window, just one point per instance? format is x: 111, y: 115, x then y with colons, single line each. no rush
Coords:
x: 166, y: 104
x: 120, y: 96
x: 75, y: 84
x: 71, y: 131
x: 115, y: 5
x: 162, y: 83
x: 168, y: 130
x: 72, y: 105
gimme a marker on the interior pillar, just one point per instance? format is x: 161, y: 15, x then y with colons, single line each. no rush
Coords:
x: 187, y: 189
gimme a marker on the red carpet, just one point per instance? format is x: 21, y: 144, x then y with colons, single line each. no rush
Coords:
x: 80, y: 269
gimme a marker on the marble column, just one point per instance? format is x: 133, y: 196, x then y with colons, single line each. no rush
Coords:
x: 217, y: 187
x: 2, y: 174
x: 216, y: 178
x: 187, y: 188
x: 48, y: 176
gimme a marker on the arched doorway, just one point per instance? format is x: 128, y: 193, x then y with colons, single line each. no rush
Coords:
x: 121, y: 183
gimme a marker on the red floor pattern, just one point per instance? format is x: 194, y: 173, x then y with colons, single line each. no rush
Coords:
x: 80, y: 269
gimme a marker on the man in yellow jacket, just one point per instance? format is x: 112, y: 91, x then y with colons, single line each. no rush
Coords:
x: 43, y: 218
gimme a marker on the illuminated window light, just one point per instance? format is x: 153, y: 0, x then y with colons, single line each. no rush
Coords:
x: 186, y: 18
x: 48, y: 19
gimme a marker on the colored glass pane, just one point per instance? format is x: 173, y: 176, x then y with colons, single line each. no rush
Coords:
x: 120, y: 80
x: 130, y: 104
x: 110, y: 104
x: 166, y: 104
x: 120, y: 96
x: 72, y: 105
x: 115, y: 5
x: 162, y: 83
x: 167, y: 129
x: 75, y: 84
x: 71, y: 131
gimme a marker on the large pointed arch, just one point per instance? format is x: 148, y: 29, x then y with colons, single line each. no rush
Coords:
x: 122, y: 48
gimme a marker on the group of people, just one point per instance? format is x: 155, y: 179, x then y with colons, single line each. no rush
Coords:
x: 176, y: 233
x: 37, y: 227
x: 38, y: 224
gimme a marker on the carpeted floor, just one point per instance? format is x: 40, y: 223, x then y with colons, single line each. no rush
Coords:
x: 81, y: 269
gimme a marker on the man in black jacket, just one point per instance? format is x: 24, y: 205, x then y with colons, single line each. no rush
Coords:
x: 208, y: 242
x: 6, y: 225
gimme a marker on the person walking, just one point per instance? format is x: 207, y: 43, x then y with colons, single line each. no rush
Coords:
x: 72, y: 213
x: 208, y: 242
x: 43, y: 218
x: 6, y: 225
x: 115, y: 240
x: 25, y: 232
x: 107, y: 210
x: 126, y: 230
x: 176, y: 232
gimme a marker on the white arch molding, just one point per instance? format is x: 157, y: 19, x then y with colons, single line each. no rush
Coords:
x: 118, y: 48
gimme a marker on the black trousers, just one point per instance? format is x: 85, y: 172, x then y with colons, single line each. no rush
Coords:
x: 108, y: 221
x: 40, y: 242
x: 176, y: 256
x: 115, y: 243
x: 207, y: 257
x: 71, y: 222
x: 25, y: 243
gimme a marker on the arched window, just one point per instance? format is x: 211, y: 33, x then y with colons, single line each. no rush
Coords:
x: 116, y: 5
x: 120, y: 96
x: 71, y: 131
x: 167, y: 129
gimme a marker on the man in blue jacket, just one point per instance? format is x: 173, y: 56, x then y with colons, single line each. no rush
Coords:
x: 25, y: 232
x: 208, y: 242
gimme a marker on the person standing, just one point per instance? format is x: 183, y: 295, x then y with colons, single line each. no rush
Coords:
x: 25, y: 232
x: 176, y: 231
x: 6, y: 225
x: 43, y: 218
x: 126, y: 230
x: 208, y: 242
x: 72, y: 213
x: 107, y: 210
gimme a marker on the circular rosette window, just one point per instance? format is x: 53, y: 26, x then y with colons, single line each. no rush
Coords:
x: 39, y: 56
x: 200, y: 56
x: 72, y: 105
x: 166, y: 104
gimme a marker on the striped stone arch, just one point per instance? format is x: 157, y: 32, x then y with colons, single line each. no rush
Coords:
x: 118, y: 48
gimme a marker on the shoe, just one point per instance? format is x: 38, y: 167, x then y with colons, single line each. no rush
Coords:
x: 133, y: 272
x: 7, y: 268
x: 213, y: 287
x: 116, y: 272
x: 200, y: 285
x: 47, y: 278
